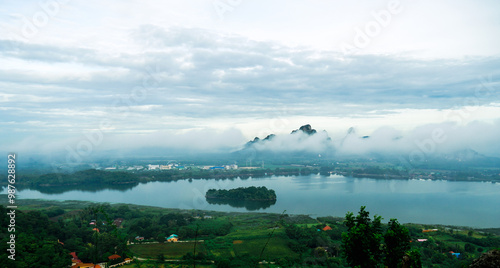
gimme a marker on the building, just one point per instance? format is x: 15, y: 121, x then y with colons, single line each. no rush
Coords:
x: 114, y: 257
x: 153, y: 167
x: 327, y: 228
x: 118, y: 222
x: 139, y: 238
x: 455, y: 254
x: 135, y: 168
x: 86, y: 265
x: 212, y: 168
x: 74, y: 260
x: 165, y: 167
x: 172, y: 238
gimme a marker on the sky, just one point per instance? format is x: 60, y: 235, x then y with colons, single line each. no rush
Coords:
x: 84, y: 76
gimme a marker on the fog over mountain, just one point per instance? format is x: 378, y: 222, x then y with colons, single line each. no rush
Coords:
x: 435, y: 140
x: 305, y: 139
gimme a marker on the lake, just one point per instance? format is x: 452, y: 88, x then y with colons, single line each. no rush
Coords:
x: 474, y: 204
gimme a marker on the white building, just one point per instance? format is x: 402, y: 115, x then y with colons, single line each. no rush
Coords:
x: 153, y: 167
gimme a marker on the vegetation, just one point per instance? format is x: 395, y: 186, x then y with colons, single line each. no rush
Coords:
x: 361, y: 242
x: 397, y: 244
x: 363, y: 239
x: 232, y: 239
x: 173, y: 250
x: 242, y: 193
x: 39, y: 239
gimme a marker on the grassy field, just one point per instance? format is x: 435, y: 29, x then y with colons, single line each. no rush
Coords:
x: 250, y: 238
x: 276, y: 248
x: 166, y: 265
x: 169, y: 250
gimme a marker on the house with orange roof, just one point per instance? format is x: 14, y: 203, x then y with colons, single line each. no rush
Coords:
x: 327, y: 228
x: 86, y: 265
x: 74, y: 260
x: 114, y: 257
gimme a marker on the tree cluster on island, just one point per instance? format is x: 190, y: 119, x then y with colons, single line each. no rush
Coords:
x: 242, y: 193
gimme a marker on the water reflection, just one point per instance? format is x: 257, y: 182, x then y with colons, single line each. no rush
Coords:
x: 250, y: 205
x: 91, y: 188
x: 424, y: 201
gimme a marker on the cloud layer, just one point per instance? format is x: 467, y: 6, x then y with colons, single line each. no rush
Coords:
x: 152, y: 81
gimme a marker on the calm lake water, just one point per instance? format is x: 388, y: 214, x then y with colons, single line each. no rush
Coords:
x: 474, y: 204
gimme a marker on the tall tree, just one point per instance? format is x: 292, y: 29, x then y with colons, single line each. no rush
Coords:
x: 397, y: 243
x: 361, y: 242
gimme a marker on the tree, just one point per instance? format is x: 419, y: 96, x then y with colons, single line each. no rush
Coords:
x: 489, y: 259
x: 469, y: 248
x: 361, y: 242
x: 223, y: 263
x: 412, y: 259
x: 397, y: 242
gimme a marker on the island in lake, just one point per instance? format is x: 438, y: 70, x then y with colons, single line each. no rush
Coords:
x: 243, y: 193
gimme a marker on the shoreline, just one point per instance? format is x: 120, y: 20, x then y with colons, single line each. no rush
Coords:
x: 145, y: 179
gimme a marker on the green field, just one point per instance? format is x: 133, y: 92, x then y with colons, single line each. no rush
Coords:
x: 169, y: 250
x: 252, y: 237
x: 169, y: 265
x: 276, y: 248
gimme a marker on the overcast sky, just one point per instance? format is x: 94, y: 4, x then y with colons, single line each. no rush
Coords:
x: 203, y: 73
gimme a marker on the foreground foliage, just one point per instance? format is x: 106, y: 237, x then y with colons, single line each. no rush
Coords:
x: 233, y: 239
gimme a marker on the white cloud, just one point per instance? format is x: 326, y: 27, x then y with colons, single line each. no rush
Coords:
x: 175, y: 65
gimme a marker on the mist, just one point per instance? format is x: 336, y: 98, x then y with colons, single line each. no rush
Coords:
x: 430, y: 139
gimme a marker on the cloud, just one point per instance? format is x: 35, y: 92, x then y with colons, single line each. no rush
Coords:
x: 187, y: 63
x: 431, y: 140
x: 193, y: 78
x: 295, y: 142
x: 97, y: 142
